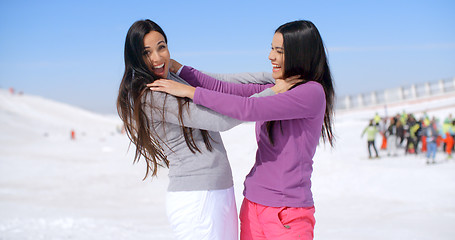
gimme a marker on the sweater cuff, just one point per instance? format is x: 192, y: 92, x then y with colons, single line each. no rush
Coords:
x: 196, y: 97
x: 184, y: 70
x: 180, y: 70
x: 187, y: 74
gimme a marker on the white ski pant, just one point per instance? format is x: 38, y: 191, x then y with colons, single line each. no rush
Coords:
x: 203, y: 215
x: 392, y: 145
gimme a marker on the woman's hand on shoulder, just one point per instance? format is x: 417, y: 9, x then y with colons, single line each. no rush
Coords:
x: 172, y: 87
x: 174, y: 66
x: 282, y: 85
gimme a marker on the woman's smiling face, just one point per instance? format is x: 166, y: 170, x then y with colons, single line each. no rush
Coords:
x: 276, y: 56
x: 156, y: 54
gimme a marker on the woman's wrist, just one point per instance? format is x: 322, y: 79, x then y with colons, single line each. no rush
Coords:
x: 279, y: 87
x: 175, y: 66
x: 191, y: 92
x: 274, y: 89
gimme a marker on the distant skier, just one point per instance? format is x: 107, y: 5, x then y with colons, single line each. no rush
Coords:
x: 447, y: 135
x: 377, y: 119
x: 382, y: 130
x: 449, y: 142
x: 73, y: 135
x: 453, y: 134
x: 412, y: 127
x: 371, y: 132
x: 391, y: 135
x: 431, y: 134
x: 418, y: 133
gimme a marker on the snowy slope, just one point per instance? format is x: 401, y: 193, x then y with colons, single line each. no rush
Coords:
x: 52, y: 187
x: 37, y: 115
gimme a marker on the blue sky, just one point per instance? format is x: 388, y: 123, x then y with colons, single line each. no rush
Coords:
x: 73, y: 51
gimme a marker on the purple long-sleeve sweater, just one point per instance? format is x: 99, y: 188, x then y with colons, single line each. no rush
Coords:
x: 281, y: 175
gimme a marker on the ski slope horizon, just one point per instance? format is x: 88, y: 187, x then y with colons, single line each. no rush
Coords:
x: 52, y: 187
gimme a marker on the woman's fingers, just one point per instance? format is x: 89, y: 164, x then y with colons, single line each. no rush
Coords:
x: 167, y: 86
x: 172, y: 87
x: 161, y: 85
x: 159, y: 82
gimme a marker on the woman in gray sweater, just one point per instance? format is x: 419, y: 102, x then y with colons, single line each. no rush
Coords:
x: 178, y: 134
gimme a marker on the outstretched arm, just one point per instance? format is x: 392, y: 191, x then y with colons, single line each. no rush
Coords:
x: 256, y: 77
x: 199, y: 79
x: 307, y: 100
x: 195, y: 116
x: 245, y: 78
x: 183, y: 90
x: 363, y: 132
x: 304, y: 101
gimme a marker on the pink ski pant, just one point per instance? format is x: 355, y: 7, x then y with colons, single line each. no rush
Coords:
x: 278, y: 223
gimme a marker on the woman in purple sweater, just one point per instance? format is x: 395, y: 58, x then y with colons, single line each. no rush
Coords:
x: 278, y: 201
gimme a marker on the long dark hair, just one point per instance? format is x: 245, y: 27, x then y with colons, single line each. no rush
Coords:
x: 131, y: 105
x: 304, y: 55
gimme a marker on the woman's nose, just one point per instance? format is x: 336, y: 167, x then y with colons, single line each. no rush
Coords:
x: 271, y: 57
x: 155, y: 57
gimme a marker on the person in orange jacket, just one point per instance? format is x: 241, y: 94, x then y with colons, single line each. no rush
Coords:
x: 383, y: 129
x: 447, y: 134
x: 449, y: 144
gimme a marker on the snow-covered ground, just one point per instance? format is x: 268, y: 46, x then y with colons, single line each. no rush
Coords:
x: 52, y: 187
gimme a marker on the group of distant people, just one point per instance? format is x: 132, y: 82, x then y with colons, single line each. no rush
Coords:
x: 404, y: 131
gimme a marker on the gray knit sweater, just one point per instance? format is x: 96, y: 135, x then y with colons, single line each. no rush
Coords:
x: 208, y: 170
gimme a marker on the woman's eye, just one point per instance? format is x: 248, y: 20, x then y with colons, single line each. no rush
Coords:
x: 277, y: 50
x: 161, y: 47
x: 146, y: 53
